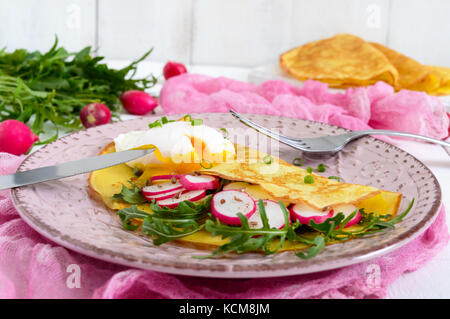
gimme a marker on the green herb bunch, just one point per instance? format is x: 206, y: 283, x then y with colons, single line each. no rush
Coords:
x: 52, y: 87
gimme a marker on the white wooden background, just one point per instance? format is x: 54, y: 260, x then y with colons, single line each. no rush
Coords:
x: 224, y: 32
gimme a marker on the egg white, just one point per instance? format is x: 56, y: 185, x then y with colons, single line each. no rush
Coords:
x: 174, y: 141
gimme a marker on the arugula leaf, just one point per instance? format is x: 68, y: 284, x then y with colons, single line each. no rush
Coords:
x: 131, y: 195
x: 317, y: 245
x: 165, y: 230
x: 129, y: 213
x: 186, y: 209
x: 166, y: 224
x: 332, y: 228
x: 402, y: 215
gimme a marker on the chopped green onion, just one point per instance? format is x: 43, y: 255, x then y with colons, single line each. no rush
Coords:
x: 308, y: 179
x: 309, y: 169
x: 335, y: 177
x: 321, y: 168
x: 164, y: 120
x: 187, y: 117
x: 210, y: 165
x: 155, y: 124
x: 298, y: 161
x: 196, y: 122
x: 267, y: 159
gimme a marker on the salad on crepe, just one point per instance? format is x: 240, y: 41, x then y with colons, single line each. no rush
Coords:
x: 199, y: 189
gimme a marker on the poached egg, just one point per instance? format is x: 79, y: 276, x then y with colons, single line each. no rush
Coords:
x: 177, y: 142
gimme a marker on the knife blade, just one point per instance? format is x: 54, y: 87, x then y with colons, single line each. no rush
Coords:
x: 68, y: 169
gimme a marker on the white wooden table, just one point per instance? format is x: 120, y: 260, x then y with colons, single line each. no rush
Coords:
x: 432, y: 280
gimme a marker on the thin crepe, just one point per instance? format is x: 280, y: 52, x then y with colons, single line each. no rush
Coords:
x: 342, y: 61
x: 410, y: 71
x: 443, y: 74
x: 286, y: 182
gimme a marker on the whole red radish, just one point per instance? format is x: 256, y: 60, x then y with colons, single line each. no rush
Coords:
x: 16, y: 137
x: 95, y: 114
x: 173, y: 69
x: 138, y: 102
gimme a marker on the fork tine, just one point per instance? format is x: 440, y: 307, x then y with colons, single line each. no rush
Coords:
x: 279, y: 137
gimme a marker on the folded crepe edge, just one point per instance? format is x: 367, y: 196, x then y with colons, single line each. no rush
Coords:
x: 389, y: 74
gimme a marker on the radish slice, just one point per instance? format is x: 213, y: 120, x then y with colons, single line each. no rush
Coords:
x: 274, y: 213
x: 305, y: 214
x: 175, y: 200
x: 164, y: 177
x: 347, y: 210
x: 196, y: 182
x: 226, y: 204
x: 165, y: 195
x: 161, y: 188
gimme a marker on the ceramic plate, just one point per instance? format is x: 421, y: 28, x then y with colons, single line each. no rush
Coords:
x: 63, y: 211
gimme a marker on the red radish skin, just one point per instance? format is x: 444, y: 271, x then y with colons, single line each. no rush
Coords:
x: 304, y: 214
x: 347, y: 210
x: 172, y: 69
x: 16, y: 137
x: 226, y: 204
x: 194, y: 182
x: 161, y: 188
x: 191, y: 196
x: 164, y: 177
x: 164, y: 196
x: 274, y: 213
x: 138, y: 102
x: 355, y: 220
x: 95, y: 114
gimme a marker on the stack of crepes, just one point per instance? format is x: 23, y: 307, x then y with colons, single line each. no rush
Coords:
x: 346, y: 60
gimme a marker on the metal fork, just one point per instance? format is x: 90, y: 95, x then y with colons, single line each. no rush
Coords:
x: 328, y: 145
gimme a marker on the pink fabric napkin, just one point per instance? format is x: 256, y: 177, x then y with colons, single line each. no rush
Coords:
x: 33, y: 267
x: 376, y: 106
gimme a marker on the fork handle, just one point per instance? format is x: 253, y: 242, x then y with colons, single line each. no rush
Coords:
x: 357, y: 134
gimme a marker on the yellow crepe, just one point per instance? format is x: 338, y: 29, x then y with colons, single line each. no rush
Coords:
x: 286, y: 182
x: 343, y: 60
x: 346, y: 60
